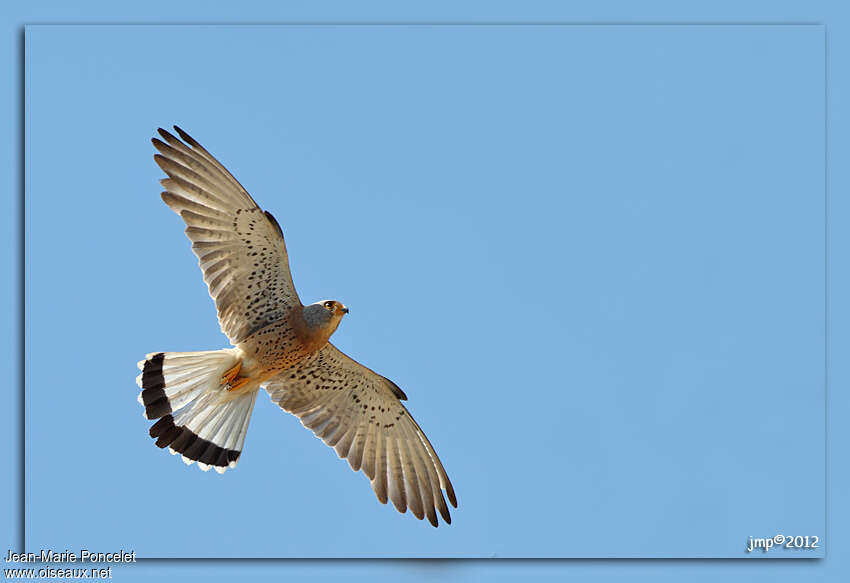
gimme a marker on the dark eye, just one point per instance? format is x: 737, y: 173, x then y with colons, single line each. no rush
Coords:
x: 329, y: 305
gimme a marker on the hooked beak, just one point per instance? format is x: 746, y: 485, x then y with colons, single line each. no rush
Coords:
x: 344, y: 310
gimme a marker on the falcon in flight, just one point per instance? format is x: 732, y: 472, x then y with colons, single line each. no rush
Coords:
x: 203, y: 400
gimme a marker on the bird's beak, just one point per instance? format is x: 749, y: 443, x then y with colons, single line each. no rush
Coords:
x: 344, y: 310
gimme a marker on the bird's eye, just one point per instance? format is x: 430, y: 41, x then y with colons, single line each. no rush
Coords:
x: 329, y: 305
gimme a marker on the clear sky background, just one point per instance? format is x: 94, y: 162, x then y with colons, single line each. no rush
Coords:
x: 592, y: 257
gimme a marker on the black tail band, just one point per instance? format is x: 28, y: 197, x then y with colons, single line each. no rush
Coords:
x: 187, y: 442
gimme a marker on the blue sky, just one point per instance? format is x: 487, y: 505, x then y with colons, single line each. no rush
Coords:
x: 592, y: 257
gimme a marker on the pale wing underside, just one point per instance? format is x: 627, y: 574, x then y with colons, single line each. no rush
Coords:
x: 358, y: 413
x: 239, y: 246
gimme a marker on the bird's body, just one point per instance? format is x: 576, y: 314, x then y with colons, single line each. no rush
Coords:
x: 203, y: 400
x: 281, y: 345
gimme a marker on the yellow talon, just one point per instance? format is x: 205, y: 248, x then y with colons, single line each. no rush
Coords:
x: 240, y: 382
x: 231, y: 374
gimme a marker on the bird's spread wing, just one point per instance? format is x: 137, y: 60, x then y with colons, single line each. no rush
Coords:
x: 240, y: 247
x: 358, y: 413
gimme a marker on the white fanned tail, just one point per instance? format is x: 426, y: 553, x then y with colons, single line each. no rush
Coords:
x: 198, y: 418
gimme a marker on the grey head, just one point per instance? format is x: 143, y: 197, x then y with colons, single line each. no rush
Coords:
x: 324, y: 315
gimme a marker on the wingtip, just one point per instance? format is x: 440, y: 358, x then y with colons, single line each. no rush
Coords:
x: 444, y: 512
x: 186, y: 137
x: 166, y: 135
x: 451, y: 494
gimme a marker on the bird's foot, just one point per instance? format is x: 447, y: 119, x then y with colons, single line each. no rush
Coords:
x: 229, y: 376
x: 238, y: 384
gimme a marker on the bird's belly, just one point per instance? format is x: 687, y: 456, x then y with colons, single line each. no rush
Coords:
x: 270, y: 350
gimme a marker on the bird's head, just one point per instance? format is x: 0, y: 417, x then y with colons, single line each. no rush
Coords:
x: 324, y: 315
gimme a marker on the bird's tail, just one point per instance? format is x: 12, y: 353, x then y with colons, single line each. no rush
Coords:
x: 198, y: 417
